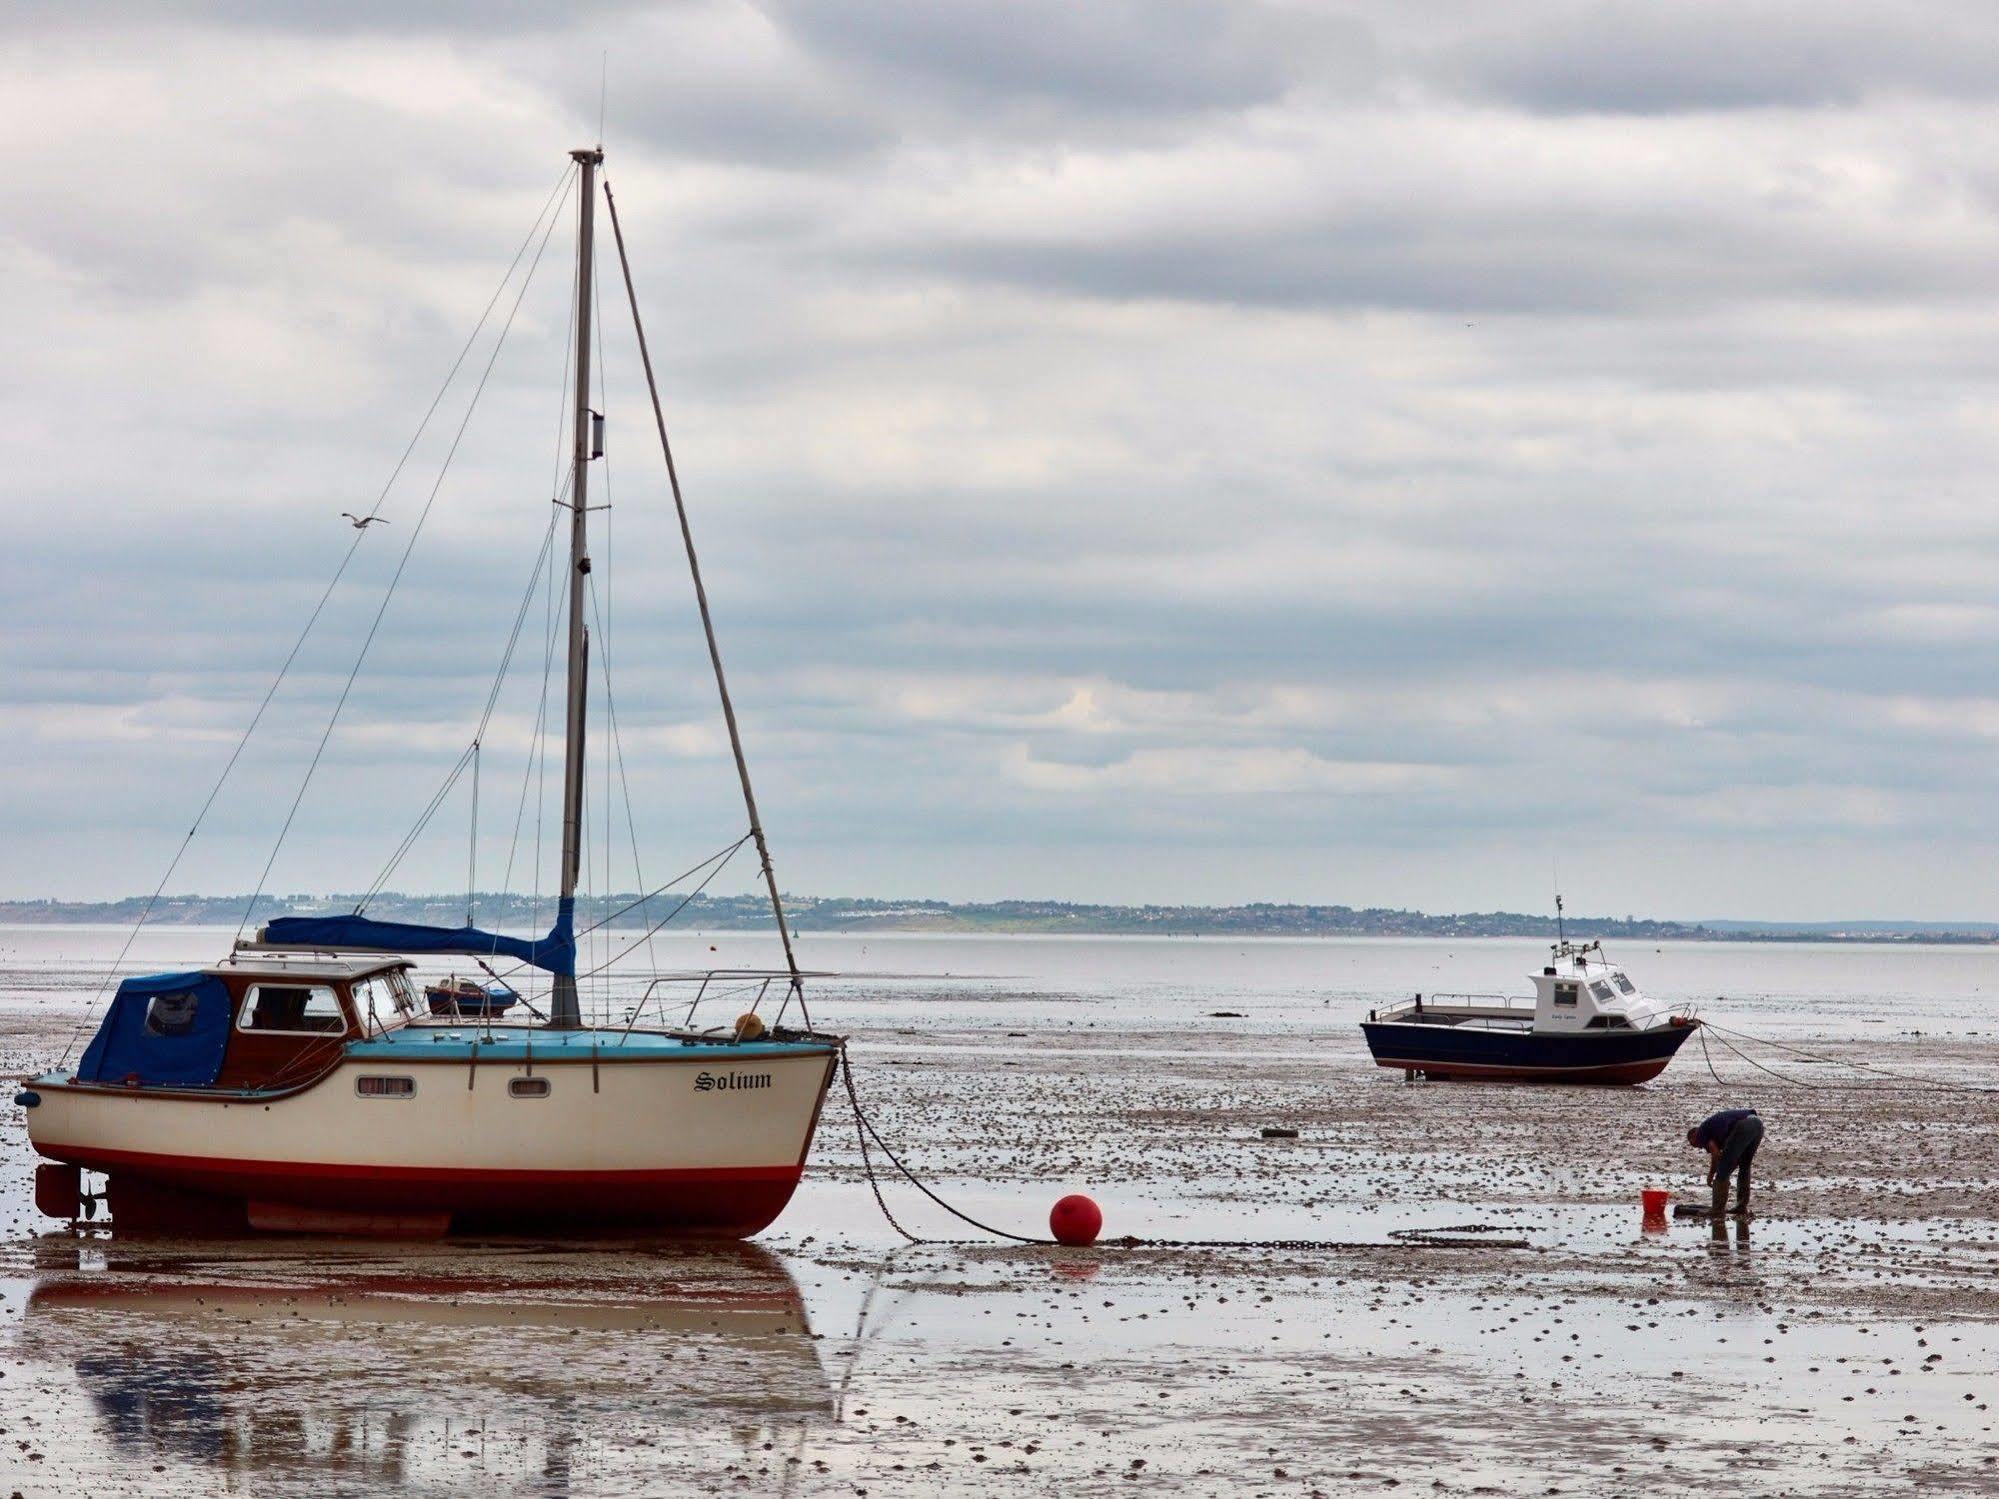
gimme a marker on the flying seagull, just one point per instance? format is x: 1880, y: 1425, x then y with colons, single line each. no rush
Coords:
x: 362, y: 522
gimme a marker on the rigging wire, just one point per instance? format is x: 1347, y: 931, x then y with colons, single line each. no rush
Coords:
x: 395, y: 578
x: 630, y: 906
x: 214, y: 791
x: 535, y: 740
x: 312, y: 619
x: 478, y: 736
x: 646, y: 936
x: 538, y: 749
x: 624, y: 780
x: 769, y: 872
x: 587, y: 875
x: 423, y: 820
x: 472, y: 856
x: 603, y: 404
x: 539, y: 763
x: 723, y: 854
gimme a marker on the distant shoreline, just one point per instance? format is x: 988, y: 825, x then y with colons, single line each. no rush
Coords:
x: 1019, y: 917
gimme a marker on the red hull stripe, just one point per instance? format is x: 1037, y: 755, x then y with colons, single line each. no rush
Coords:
x: 1620, y: 1072
x: 188, y: 1194
x: 98, y: 1158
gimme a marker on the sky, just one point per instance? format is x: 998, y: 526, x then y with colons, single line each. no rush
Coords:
x: 1175, y: 451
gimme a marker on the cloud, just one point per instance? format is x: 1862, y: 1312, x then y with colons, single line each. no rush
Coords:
x: 1116, y: 56
x: 1366, y: 447
x: 1206, y: 771
x: 1624, y: 57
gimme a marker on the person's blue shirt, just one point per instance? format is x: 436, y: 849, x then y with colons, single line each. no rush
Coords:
x: 1714, y: 1129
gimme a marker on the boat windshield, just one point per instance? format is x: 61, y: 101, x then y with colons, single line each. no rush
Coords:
x: 384, y: 999
x: 1624, y: 985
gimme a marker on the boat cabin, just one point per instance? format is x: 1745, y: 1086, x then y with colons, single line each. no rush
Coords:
x: 1578, y: 990
x: 268, y: 1021
x: 1582, y: 990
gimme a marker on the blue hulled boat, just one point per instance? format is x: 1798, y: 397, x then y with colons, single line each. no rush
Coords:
x: 1586, y: 1022
x: 469, y: 999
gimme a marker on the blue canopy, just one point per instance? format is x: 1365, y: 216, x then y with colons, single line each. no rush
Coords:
x: 164, y: 1030
x: 555, y: 953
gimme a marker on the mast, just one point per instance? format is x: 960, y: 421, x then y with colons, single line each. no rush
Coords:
x: 564, y: 1011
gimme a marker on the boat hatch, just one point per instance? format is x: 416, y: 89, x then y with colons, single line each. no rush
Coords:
x: 163, y: 1030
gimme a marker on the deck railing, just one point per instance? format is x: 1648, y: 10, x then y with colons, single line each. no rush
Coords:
x: 750, y: 988
x: 1497, y: 1001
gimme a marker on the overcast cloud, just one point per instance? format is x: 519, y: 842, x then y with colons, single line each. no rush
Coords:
x: 1186, y: 451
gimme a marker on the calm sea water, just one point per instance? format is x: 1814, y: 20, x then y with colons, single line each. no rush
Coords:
x: 1792, y: 990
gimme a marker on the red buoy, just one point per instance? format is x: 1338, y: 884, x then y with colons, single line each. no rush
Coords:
x: 1075, y: 1220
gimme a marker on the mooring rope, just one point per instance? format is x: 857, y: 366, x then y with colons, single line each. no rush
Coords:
x: 1457, y: 1236
x: 1708, y: 1057
x: 1891, y: 1081
x: 866, y: 1128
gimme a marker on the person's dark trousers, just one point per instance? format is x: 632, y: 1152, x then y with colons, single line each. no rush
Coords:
x: 1737, y: 1151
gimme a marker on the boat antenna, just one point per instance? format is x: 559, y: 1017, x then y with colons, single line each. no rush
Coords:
x: 564, y: 1011
x: 707, y: 620
x: 1561, y: 935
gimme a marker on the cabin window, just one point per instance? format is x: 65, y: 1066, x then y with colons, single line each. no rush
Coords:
x: 385, y: 1087
x: 1602, y: 993
x: 1608, y: 1023
x: 405, y: 992
x: 527, y: 1087
x: 1624, y: 985
x: 1565, y: 994
x: 172, y: 1014
x: 383, y: 997
x: 297, y: 1009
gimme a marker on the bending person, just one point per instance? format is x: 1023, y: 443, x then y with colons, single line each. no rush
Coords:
x: 1730, y: 1139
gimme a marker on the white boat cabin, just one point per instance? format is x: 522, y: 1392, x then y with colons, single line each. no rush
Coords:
x: 1582, y: 990
x: 1578, y: 990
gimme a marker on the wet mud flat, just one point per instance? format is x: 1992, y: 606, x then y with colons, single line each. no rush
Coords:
x: 1843, y: 1341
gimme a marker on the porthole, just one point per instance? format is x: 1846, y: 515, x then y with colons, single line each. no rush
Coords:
x: 385, y: 1087
x: 527, y: 1087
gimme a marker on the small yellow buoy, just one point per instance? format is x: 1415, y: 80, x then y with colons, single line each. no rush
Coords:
x: 749, y: 1026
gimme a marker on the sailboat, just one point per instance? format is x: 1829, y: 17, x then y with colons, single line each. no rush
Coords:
x: 297, y: 1086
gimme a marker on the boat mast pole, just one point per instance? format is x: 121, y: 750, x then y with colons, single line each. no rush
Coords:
x: 565, y: 1013
x: 707, y: 620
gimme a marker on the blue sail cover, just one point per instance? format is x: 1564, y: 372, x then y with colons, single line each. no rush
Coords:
x: 165, y: 1030
x: 555, y: 953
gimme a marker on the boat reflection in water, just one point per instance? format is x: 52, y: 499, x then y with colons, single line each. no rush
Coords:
x: 522, y: 1365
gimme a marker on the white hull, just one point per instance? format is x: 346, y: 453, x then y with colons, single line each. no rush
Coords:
x: 706, y: 1144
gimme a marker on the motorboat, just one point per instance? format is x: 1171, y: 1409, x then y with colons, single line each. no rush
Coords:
x: 1586, y: 1022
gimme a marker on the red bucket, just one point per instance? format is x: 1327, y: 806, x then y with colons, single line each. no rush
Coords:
x: 1655, y: 1202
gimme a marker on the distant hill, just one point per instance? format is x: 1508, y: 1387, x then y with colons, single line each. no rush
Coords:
x: 1861, y: 931
x: 851, y: 914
